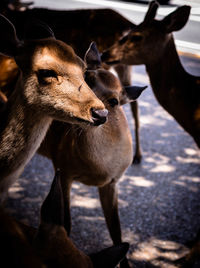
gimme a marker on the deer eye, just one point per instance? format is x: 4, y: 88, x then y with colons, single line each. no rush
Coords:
x: 113, y: 102
x: 136, y: 38
x: 44, y: 73
x: 46, y: 76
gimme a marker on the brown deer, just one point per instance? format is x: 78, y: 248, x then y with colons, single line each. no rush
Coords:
x: 95, y: 156
x: 49, y: 246
x: 73, y: 27
x: 152, y: 43
x: 50, y: 86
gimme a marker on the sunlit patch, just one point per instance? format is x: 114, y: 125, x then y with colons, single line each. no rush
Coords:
x: 142, y: 78
x: 163, y: 168
x: 189, y: 187
x: 166, y: 135
x: 154, y: 250
x: 140, y: 181
x: 37, y: 199
x: 84, y: 201
x: 15, y: 191
x: 123, y: 203
x: 190, y: 151
x: 187, y: 160
x: 190, y: 179
x: 158, y: 159
x: 91, y: 218
x: 145, y: 104
x: 152, y: 120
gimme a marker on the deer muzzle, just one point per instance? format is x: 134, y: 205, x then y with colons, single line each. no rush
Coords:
x: 99, y: 116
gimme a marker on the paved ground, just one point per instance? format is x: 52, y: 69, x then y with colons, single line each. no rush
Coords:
x: 159, y: 199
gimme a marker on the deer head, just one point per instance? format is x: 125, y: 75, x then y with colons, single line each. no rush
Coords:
x: 146, y: 42
x: 106, y: 85
x: 51, y: 81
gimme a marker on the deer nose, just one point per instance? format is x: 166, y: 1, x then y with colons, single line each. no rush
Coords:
x: 99, y: 116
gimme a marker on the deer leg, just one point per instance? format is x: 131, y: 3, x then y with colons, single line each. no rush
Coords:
x: 138, y: 154
x: 124, y: 74
x: 66, y: 186
x: 109, y: 201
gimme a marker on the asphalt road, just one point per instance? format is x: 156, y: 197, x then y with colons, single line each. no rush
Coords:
x: 159, y: 200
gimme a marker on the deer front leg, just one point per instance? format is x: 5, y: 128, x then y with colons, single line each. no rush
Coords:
x: 66, y: 187
x: 124, y: 74
x: 109, y: 201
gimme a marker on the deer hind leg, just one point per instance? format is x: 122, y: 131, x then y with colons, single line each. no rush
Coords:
x: 124, y: 74
x: 109, y: 201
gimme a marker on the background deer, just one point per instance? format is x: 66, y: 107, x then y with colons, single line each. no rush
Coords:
x: 73, y: 27
x: 95, y: 156
x: 50, y: 86
x: 49, y: 246
x: 152, y: 43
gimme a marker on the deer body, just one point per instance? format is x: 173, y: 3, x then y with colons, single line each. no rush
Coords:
x: 151, y: 43
x: 176, y: 90
x: 51, y: 86
x: 74, y: 26
x: 101, y: 154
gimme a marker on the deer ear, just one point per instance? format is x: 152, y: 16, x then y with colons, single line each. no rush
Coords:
x: 131, y: 93
x: 52, y: 210
x: 109, y: 257
x: 92, y: 57
x: 151, y: 12
x: 177, y: 19
x: 9, y: 41
x: 37, y: 29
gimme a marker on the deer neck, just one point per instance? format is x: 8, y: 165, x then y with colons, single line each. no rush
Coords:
x: 166, y: 72
x: 21, y: 131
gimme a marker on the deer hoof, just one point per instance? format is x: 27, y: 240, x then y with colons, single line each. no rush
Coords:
x: 137, y: 160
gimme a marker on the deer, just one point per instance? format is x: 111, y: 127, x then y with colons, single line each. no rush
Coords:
x: 152, y: 43
x: 95, y: 156
x: 49, y: 246
x: 50, y: 86
x: 74, y: 26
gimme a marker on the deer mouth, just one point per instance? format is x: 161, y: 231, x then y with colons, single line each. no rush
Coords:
x: 99, y: 117
x: 112, y: 62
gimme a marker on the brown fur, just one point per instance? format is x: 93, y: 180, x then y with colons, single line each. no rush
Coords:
x: 39, y: 98
x: 151, y: 43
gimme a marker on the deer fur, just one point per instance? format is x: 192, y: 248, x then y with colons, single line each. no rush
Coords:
x: 74, y: 26
x: 49, y: 246
x: 50, y: 86
x: 95, y: 156
x: 152, y: 43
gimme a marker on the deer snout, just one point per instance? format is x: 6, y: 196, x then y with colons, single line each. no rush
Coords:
x: 99, y: 116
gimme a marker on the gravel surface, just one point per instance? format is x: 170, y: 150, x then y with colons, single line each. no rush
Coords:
x: 159, y: 200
